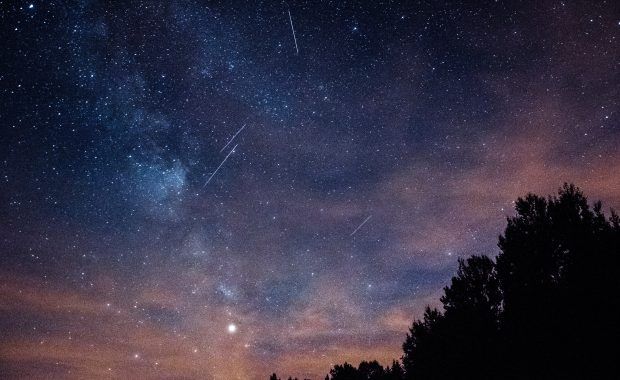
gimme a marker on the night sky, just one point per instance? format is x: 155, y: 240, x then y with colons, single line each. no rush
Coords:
x: 221, y: 190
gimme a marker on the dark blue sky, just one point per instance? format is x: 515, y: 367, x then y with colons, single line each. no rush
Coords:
x: 428, y: 117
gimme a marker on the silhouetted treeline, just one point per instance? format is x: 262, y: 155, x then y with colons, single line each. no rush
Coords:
x: 366, y: 371
x: 275, y: 377
x: 547, y: 307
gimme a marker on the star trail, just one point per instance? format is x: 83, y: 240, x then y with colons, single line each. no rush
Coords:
x: 200, y: 190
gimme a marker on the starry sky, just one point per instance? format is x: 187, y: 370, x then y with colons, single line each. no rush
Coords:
x: 220, y: 190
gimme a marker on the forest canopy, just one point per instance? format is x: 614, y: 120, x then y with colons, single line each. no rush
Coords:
x: 545, y: 307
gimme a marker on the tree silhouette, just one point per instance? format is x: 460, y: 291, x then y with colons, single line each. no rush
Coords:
x: 463, y: 341
x: 366, y: 371
x: 529, y: 314
x: 371, y: 371
x: 395, y: 372
x: 546, y: 307
x: 344, y: 372
x: 558, y: 259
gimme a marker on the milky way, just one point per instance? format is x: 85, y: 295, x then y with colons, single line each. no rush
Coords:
x: 423, y: 121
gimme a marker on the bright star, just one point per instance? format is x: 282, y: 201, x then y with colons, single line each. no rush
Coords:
x: 232, y: 328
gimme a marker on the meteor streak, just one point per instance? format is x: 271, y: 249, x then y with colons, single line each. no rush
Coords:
x: 360, y: 226
x: 232, y: 138
x: 218, y: 168
x: 293, y: 29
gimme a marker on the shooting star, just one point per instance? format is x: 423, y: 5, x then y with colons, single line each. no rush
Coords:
x: 360, y: 226
x: 293, y: 29
x: 232, y: 138
x: 218, y: 168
